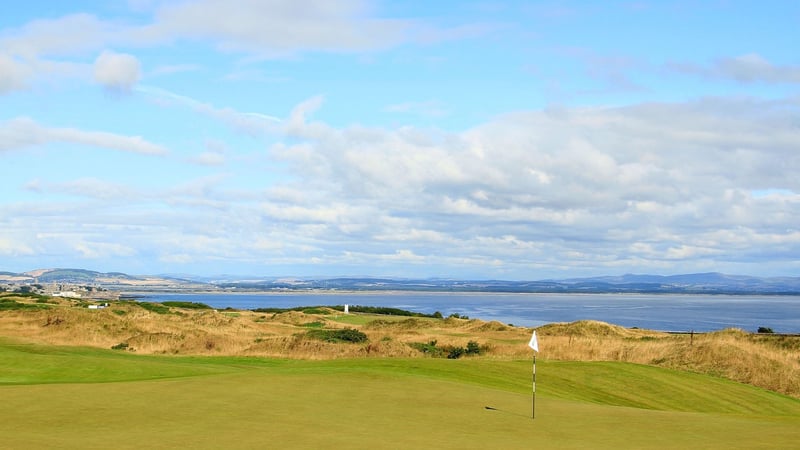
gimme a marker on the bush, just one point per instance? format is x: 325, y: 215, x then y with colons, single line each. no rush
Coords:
x: 455, y: 352
x: 186, y: 305
x: 350, y: 335
x: 154, y: 307
x: 473, y: 348
x: 765, y: 330
x: 428, y: 348
x: 447, y: 351
x: 120, y: 346
x: 8, y: 304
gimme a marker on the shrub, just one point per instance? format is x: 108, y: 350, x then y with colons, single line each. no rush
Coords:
x: 8, y: 304
x: 186, y: 305
x: 120, y: 346
x: 154, y: 307
x: 455, y: 352
x: 26, y: 294
x: 447, y: 351
x: 344, y: 335
x: 429, y: 348
x: 765, y: 330
x: 473, y: 348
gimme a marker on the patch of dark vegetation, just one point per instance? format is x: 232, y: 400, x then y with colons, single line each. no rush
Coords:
x: 405, y: 324
x: 157, y: 308
x: 283, y: 310
x: 186, y: 305
x: 320, y: 310
x: 385, y: 311
x: 378, y: 310
x: 314, y: 325
x: 765, y: 330
x: 447, y: 351
x: 26, y: 294
x: 120, y: 346
x: 348, y: 335
x: 7, y: 304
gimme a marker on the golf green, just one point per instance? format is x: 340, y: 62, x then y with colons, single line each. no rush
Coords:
x: 105, y: 399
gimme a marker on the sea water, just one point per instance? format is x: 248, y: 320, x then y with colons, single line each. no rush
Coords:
x: 664, y: 312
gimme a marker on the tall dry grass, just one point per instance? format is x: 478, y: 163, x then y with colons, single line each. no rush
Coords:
x: 769, y: 362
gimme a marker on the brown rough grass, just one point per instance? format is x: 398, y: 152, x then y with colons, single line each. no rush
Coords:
x: 770, y: 362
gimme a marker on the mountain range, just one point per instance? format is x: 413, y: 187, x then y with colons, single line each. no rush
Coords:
x: 695, y: 283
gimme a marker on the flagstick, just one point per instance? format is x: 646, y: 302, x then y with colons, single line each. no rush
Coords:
x: 533, y: 397
x: 534, y: 345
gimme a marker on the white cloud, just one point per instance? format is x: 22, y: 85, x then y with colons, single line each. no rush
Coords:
x: 747, y: 68
x: 209, y: 159
x: 105, y: 250
x: 596, y: 184
x: 50, y: 49
x: 14, y: 75
x: 279, y: 27
x: 252, y: 123
x: 23, y: 132
x: 707, y: 185
x: 117, y: 71
x: 14, y: 248
x: 67, y: 35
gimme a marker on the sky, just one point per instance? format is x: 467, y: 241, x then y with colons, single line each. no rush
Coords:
x: 518, y: 140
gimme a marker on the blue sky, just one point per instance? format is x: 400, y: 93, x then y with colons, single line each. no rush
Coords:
x: 485, y: 139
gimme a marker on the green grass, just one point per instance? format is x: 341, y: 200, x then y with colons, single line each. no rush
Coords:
x: 157, y: 308
x: 55, y: 397
x: 363, y: 318
x: 186, y: 305
x: 8, y: 305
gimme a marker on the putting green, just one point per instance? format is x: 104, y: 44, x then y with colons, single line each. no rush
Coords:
x: 178, y: 402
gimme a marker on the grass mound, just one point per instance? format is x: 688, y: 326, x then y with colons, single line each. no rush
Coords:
x: 588, y: 328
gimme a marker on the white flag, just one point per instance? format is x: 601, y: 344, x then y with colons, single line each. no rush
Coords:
x: 534, y: 343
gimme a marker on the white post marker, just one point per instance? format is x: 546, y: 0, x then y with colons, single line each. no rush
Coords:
x: 347, y: 309
x: 534, y: 344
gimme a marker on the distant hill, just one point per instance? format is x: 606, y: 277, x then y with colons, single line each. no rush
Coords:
x: 696, y: 283
x: 90, y: 277
x: 700, y: 283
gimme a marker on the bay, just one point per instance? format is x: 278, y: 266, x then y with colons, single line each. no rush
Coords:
x: 663, y: 312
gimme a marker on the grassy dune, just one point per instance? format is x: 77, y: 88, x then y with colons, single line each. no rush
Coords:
x: 769, y: 362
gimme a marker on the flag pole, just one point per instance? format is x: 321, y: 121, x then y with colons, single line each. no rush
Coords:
x: 534, y: 345
x: 533, y: 397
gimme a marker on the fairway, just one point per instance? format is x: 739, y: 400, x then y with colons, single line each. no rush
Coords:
x: 87, y: 398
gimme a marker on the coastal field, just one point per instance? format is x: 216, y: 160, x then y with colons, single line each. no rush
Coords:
x: 197, y: 378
